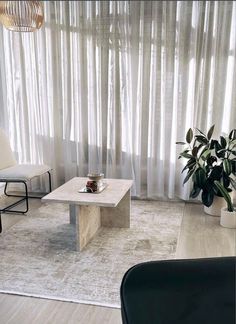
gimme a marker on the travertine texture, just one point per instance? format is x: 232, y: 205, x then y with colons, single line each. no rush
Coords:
x: 88, y: 221
x: 118, y: 216
x: 110, y: 197
x: 72, y: 214
x: 85, y: 207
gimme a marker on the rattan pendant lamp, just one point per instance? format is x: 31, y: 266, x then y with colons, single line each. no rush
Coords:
x: 21, y: 16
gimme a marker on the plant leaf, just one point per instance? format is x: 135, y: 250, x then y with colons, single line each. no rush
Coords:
x: 225, y: 194
x: 191, y: 163
x: 195, y: 192
x: 212, y: 144
x: 233, y: 162
x: 233, y: 143
x: 211, y: 159
x: 207, y: 197
x: 186, y: 155
x: 210, y: 132
x: 205, y: 155
x: 233, y: 183
x: 232, y: 134
x: 189, y: 136
x: 195, y: 151
x: 216, y: 172
x: 223, y: 142
x: 190, y: 173
x: 218, y: 148
x: 200, y: 132
x: 226, y: 180
x: 199, y: 178
x: 180, y: 143
x: 227, y: 166
x: 201, y: 139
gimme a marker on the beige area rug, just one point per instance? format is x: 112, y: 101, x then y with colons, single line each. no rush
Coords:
x: 38, y: 256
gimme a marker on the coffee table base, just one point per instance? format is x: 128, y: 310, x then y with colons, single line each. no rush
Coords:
x: 88, y: 219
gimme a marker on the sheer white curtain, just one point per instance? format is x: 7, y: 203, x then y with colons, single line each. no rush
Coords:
x: 112, y: 85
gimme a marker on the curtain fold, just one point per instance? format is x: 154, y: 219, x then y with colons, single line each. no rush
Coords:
x: 110, y: 86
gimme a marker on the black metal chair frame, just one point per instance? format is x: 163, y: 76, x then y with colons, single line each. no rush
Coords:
x: 25, y: 197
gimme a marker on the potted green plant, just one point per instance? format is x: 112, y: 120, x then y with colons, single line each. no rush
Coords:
x: 228, y: 214
x: 209, y: 160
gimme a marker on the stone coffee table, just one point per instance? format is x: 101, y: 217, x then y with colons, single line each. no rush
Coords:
x: 110, y: 208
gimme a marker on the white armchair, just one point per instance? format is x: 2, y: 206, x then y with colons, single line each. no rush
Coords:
x: 11, y: 172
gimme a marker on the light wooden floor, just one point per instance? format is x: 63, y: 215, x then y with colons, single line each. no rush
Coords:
x: 200, y: 236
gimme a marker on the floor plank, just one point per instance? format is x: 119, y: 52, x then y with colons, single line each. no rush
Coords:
x: 26, y: 310
x: 202, y: 236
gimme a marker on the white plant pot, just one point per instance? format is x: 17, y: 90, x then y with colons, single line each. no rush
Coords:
x: 228, y: 219
x: 215, y: 208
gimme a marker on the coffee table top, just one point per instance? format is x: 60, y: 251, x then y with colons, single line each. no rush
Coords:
x: 110, y: 197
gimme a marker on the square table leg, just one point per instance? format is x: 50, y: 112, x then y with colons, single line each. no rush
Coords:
x: 88, y: 221
x: 72, y: 213
x: 118, y: 216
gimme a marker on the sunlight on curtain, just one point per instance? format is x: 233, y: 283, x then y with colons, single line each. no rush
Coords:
x: 230, y: 75
x: 112, y: 85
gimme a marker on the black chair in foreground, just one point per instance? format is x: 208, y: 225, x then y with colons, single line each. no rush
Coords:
x: 196, y: 291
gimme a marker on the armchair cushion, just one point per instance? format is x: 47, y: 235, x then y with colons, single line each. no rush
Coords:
x: 7, y: 158
x: 23, y: 171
